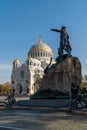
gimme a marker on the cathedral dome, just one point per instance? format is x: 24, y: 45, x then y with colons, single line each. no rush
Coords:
x: 42, y: 52
x: 40, y: 46
x: 40, y: 49
x: 16, y: 61
x: 29, y: 58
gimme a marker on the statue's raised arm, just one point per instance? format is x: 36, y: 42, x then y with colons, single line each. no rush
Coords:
x: 56, y: 30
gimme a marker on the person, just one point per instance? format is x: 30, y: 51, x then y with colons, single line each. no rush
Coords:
x: 10, y: 98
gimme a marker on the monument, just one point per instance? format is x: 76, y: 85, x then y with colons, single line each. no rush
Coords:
x: 62, y: 79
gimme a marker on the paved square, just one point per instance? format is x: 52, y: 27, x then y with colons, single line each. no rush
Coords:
x: 41, y: 120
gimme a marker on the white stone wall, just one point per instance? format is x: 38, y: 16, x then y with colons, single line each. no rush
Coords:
x: 22, y: 78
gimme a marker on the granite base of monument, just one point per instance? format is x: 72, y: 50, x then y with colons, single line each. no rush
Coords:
x: 51, y: 103
x: 62, y: 81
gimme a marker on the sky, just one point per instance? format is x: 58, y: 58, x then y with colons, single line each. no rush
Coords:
x: 23, y: 21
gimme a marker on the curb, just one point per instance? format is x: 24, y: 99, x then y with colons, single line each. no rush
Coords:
x: 76, y: 112
x: 33, y: 108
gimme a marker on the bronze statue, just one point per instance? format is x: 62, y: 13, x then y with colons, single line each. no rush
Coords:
x: 64, y: 41
x: 48, y: 66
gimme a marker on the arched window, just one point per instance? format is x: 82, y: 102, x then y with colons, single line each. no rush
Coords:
x: 33, y: 54
x: 38, y: 53
x: 34, y: 64
x: 22, y: 74
x: 30, y: 63
x: 38, y: 71
x: 20, y: 89
x: 28, y: 90
x: 44, y: 54
x: 41, y: 54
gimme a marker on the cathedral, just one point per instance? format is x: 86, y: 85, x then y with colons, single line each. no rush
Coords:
x: 24, y: 77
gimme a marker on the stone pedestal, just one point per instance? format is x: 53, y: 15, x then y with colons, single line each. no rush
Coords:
x: 61, y: 78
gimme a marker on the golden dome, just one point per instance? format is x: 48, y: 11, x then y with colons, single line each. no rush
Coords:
x: 16, y: 61
x: 29, y: 58
x: 41, y: 46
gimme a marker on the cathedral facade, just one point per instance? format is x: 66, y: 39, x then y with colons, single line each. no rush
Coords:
x: 24, y: 76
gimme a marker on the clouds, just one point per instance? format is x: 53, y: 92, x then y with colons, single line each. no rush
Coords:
x: 5, y: 73
x: 4, y: 67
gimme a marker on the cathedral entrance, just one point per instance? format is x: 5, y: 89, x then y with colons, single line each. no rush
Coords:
x: 19, y: 89
x: 28, y: 90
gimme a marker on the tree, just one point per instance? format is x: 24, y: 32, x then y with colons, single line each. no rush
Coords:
x: 83, y: 87
x: 5, y: 88
x: 37, y: 84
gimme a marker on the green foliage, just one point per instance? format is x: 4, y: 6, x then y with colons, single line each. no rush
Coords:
x: 83, y: 87
x: 37, y: 83
x: 5, y: 89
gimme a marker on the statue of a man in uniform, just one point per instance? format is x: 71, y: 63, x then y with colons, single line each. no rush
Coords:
x: 64, y: 41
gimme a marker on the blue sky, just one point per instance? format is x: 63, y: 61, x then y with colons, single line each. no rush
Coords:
x: 23, y: 21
